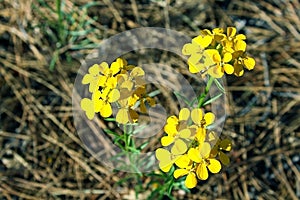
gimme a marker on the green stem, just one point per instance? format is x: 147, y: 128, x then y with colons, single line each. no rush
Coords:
x: 203, y: 95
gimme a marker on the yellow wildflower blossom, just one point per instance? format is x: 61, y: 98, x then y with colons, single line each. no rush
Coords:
x: 167, y: 159
x: 219, y: 148
x: 202, y: 157
x: 93, y: 78
x: 201, y: 121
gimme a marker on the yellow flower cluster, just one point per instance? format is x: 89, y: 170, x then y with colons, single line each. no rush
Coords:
x: 188, y: 145
x: 218, y: 52
x: 118, y: 83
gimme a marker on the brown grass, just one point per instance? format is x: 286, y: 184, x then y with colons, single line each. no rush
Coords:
x: 43, y: 158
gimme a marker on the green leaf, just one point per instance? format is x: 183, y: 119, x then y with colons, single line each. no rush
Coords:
x: 53, y: 60
x: 81, y: 33
x: 154, y: 93
x: 110, y: 119
x: 170, y: 187
x: 185, y: 100
x: 212, y: 99
x: 142, y: 146
x: 219, y: 85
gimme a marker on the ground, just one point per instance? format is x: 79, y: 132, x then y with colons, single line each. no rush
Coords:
x: 43, y: 44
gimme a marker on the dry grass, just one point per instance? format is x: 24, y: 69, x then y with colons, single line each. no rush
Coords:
x: 42, y: 156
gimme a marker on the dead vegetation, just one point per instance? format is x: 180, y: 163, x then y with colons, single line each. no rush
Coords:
x: 41, y: 50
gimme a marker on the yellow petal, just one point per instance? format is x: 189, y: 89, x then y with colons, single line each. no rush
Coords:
x: 111, y: 82
x: 218, y: 30
x: 194, y: 63
x: 98, y: 104
x: 179, y: 147
x: 132, y: 100
x: 191, y: 180
x: 162, y: 154
x: 209, y: 118
x: 227, y: 57
x: 194, y: 155
x: 219, y: 37
x: 213, y: 54
x: 226, y: 144
x: 103, y: 67
x: 165, y: 167
x: 205, y: 32
x: 137, y: 71
x: 203, y: 41
x: 202, y: 171
x: 102, y: 81
x: 195, y: 68
x: 106, y: 110
x: 127, y: 84
x: 104, y: 93
x: 94, y: 70
x: 200, y: 134
x: 184, y: 114
x: 214, y: 166
x: 122, y: 116
x: 240, y: 45
x: 189, y: 49
x: 216, y: 71
x: 93, y: 85
x: 122, y: 62
x: 205, y: 150
x: 224, y: 158
x: 184, y: 133
x: 228, y: 68
x: 180, y: 172
x: 238, y: 69
x: 166, y: 140
x: 240, y: 37
x: 133, y: 116
x: 115, y: 68
x: 183, y: 161
x: 216, y: 57
x: 231, y: 31
x: 212, y: 136
x: 87, y: 79
x: 172, y: 120
x: 197, y: 115
x: 114, y: 95
x: 249, y: 63
x: 88, y: 106
x: 170, y: 129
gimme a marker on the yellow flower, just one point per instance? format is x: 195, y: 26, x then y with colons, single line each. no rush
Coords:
x: 169, y: 139
x: 221, y: 63
x: 241, y: 62
x: 125, y: 113
x: 167, y: 159
x: 93, y: 78
x: 176, y: 127
x: 219, y: 148
x: 217, y: 35
x: 174, y: 123
x: 201, y: 155
x: 198, y: 59
x: 190, y: 180
x: 185, y: 165
x: 92, y: 106
x: 201, y: 121
x: 122, y: 64
x: 248, y: 62
x: 233, y: 41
